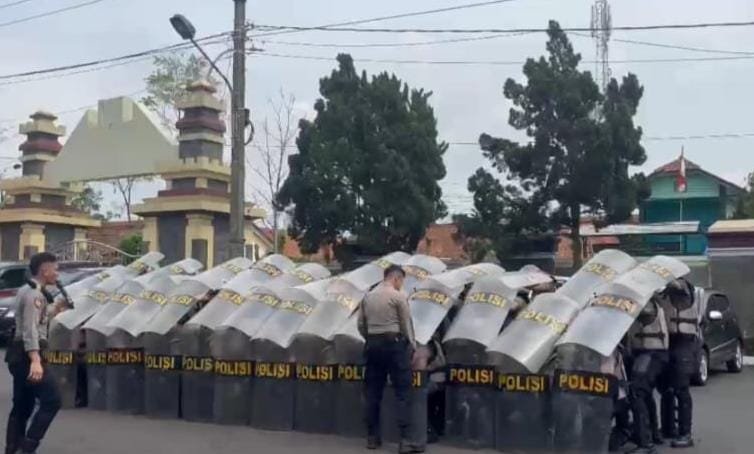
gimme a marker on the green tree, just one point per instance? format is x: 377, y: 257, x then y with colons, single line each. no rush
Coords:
x: 132, y: 245
x: 368, y: 165
x: 576, y: 160
x: 89, y: 200
x: 167, y: 83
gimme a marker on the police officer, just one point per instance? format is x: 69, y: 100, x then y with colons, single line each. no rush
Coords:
x: 385, y: 322
x: 683, y: 318
x: 649, y: 346
x: 32, y: 381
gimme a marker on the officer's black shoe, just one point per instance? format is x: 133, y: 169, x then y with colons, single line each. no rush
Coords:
x: 618, y: 439
x: 643, y: 450
x: 658, y: 439
x: 406, y: 447
x: 373, y: 443
x: 683, y: 441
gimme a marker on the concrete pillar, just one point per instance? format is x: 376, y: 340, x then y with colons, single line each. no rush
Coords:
x: 200, y: 229
x: 79, y: 238
x: 31, y: 241
x: 149, y: 234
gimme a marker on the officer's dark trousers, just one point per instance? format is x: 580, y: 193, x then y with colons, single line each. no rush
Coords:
x: 676, y: 396
x: 646, y: 369
x: 25, y: 394
x: 387, y: 354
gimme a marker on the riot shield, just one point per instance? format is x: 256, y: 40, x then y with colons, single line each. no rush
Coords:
x: 124, y: 378
x: 469, y: 401
x: 371, y: 273
x: 526, y: 344
x: 609, y: 315
x: 164, y: 337
x: 88, y: 304
x: 311, y: 343
x: 229, y: 392
x: 435, y: 296
x: 483, y: 314
x: 418, y: 268
x: 273, y: 393
x: 271, y: 268
x: 63, y: 355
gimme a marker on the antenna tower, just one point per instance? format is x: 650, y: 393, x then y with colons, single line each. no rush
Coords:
x: 602, y: 25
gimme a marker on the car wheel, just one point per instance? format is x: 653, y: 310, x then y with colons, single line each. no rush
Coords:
x: 736, y: 364
x: 701, y: 376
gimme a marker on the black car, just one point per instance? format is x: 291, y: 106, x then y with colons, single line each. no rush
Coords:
x: 722, y: 343
x: 8, y: 303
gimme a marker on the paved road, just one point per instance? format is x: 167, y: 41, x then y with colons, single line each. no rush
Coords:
x: 724, y: 415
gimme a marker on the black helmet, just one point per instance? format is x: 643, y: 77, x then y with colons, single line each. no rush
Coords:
x: 648, y: 315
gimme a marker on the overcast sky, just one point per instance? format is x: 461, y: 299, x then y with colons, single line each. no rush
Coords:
x: 680, y: 98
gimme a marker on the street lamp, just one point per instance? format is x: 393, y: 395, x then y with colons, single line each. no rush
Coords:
x: 239, y: 119
x: 187, y: 31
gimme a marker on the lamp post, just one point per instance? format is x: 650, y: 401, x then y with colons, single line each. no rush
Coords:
x: 239, y: 119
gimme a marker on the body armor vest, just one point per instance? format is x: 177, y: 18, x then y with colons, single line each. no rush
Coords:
x: 653, y: 336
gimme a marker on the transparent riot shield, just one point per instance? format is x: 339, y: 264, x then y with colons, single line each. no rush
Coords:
x: 273, y: 393
x: 435, y: 296
x: 230, y: 344
x: 86, y: 306
x: 418, y: 268
x: 469, y: 392
x: 63, y: 355
x: 523, y: 411
x: 197, y: 333
x: 371, y: 273
x: 124, y: 376
x: 67, y: 342
x: 526, y: 344
x: 609, y: 315
x: 163, y: 336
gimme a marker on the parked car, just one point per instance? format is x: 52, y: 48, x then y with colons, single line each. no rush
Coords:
x: 722, y: 341
x: 12, y: 277
x: 68, y: 275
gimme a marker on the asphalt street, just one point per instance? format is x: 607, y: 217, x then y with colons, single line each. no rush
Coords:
x: 724, y: 416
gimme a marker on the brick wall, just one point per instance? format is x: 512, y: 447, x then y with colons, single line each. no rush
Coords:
x: 112, y: 233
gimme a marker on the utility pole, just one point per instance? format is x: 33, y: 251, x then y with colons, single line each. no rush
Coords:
x: 236, y: 243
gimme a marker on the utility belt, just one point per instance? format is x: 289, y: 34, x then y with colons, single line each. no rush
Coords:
x: 395, y: 337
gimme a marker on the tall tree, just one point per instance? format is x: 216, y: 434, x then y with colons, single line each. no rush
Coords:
x: 368, y: 165
x: 168, y: 81
x: 576, y: 159
x: 269, y: 161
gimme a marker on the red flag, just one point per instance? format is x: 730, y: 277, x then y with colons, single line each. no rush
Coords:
x: 680, y: 181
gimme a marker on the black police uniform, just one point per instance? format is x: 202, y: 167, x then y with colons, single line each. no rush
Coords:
x: 683, y: 319
x: 649, y: 345
x: 31, y: 334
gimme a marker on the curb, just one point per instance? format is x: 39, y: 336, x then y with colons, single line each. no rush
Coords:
x: 748, y: 360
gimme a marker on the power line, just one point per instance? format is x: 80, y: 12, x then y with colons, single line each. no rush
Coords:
x: 626, y: 28
x: 50, y: 13
x: 673, y: 46
x: 391, y: 17
x: 8, y: 5
x: 133, y: 56
x: 395, y: 44
x: 497, y: 62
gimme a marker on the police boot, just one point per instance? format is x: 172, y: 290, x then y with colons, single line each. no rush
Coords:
x: 683, y: 441
x: 374, y: 443
x: 406, y: 447
x: 643, y: 450
x: 618, y: 439
x: 29, y: 446
x: 657, y: 438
